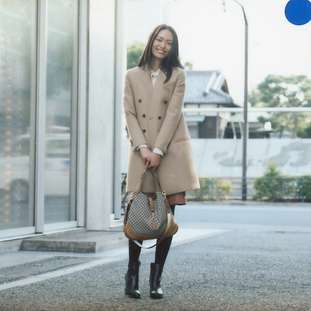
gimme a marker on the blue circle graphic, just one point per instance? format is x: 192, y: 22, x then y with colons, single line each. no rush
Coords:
x: 298, y: 12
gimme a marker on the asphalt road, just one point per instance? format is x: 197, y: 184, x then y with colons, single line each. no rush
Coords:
x: 261, y: 262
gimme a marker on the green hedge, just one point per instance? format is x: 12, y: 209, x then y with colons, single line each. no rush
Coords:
x: 304, y: 188
x: 211, y: 189
x: 273, y: 186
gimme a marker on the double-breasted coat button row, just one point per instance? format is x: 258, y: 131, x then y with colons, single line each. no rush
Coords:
x: 165, y: 101
x: 144, y: 116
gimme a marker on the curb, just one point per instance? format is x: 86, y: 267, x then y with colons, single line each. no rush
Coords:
x: 75, y: 241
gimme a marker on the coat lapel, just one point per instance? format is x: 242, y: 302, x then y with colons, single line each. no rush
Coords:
x: 147, y: 78
x: 155, y: 91
x: 159, y: 81
x: 157, y: 94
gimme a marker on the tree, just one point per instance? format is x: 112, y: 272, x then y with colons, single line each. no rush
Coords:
x: 285, y: 91
x: 134, y: 53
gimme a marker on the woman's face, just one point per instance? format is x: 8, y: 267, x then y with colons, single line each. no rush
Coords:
x: 162, y: 44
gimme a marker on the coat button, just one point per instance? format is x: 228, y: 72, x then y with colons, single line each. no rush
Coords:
x: 165, y: 102
x: 159, y: 117
x: 143, y: 115
x: 139, y: 100
x: 144, y: 130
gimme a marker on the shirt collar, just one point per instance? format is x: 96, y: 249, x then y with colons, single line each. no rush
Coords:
x: 155, y: 73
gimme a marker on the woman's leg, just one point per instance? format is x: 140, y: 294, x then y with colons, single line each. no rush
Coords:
x: 156, y: 267
x: 134, y: 251
x: 163, y: 247
x: 132, y: 274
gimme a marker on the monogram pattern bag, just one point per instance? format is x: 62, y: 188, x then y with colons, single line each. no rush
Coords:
x: 148, y: 215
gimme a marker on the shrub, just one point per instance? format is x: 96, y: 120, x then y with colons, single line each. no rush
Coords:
x: 304, y: 188
x: 224, y: 188
x: 272, y: 186
x: 205, y: 188
x: 211, y: 189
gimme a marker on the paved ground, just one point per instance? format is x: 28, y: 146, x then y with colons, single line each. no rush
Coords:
x: 242, y: 266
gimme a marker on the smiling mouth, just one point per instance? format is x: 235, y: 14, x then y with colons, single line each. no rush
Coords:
x: 160, y: 52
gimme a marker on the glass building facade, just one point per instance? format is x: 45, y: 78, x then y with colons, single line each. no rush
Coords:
x: 17, y: 103
x: 20, y: 60
x: 57, y: 115
x: 60, y: 98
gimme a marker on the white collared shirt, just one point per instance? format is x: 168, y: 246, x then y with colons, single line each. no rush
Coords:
x: 154, y: 74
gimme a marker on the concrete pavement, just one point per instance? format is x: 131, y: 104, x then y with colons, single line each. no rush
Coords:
x: 233, y: 265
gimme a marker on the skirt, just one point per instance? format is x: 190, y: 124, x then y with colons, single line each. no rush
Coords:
x: 177, y: 198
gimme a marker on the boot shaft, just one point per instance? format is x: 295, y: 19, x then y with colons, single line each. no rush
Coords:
x: 155, y: 275
x: 132, y: 275
x: 155, y: 281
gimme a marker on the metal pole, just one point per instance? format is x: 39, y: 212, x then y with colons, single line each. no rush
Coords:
x: 245, y: 104
x: 245, y: 125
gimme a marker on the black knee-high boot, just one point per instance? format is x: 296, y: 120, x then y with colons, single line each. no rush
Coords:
x: 156, y: 268
x: 132, y: 274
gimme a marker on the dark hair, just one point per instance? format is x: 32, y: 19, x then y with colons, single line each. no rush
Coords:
x: 170, y: 61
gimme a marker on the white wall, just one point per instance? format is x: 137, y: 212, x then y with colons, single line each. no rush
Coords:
x: 223, y: 157
x: 100, y: 163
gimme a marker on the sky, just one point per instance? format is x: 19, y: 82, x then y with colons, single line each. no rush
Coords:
x: 211, y: 36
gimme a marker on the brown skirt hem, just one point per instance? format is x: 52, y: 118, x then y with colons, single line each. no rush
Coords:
x: 177, y: 198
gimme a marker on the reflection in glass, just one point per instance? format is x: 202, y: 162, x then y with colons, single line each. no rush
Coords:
x: 62, y: 24
x: 17, y: 53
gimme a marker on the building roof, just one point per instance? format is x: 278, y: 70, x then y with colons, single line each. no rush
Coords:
x: 207, y: 88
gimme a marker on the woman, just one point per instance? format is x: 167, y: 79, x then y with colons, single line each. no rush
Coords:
x: 159, y: 138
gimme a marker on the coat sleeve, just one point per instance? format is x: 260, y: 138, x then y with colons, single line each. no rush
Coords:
x: 135, y: 132
x: 173, y: 114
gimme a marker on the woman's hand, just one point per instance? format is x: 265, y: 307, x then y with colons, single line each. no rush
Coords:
x: 150, y: 159
x: 155, y: 160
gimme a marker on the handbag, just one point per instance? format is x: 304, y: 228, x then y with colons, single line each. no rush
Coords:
x: 149, y: 215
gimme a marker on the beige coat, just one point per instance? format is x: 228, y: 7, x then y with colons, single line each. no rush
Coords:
x: 154, y: 117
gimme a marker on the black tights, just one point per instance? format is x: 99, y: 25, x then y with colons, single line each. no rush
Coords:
x: 161, y: 249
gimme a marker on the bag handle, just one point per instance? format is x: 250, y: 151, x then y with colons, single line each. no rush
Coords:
x: 142, y: 246
x: 155, y: 179
x: 146, y: 247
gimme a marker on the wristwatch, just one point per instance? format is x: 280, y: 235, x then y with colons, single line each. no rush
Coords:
x: 157, y: 151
